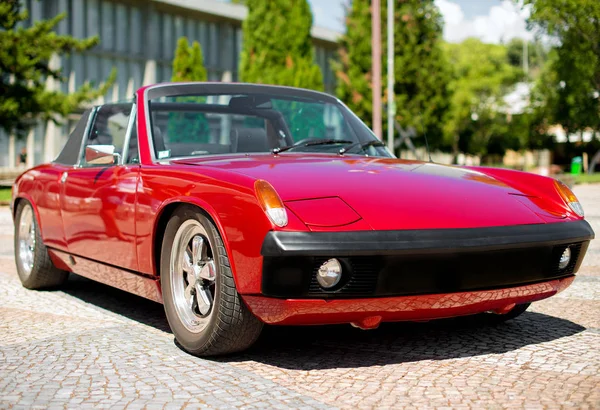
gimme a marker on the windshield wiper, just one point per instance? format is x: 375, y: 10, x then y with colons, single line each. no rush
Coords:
x: 362, y: 145
x: 328, y: 141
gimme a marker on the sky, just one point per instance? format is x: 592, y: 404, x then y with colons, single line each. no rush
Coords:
x: 492, y: 21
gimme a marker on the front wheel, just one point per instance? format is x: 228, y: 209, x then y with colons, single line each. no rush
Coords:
x: 203, y: 308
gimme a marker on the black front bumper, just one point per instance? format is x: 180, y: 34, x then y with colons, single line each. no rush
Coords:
x: 410, y: 262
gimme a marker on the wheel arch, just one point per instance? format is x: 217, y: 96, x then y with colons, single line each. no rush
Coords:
x: 25, y: 197
x: 164, y: 214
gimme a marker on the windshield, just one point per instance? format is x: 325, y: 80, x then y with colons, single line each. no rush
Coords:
x: 204, y: 124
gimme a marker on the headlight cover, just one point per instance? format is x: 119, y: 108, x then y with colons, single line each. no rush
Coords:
x: 323, y: 212
x: 569, y: 197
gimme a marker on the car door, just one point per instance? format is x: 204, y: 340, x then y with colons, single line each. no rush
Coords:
x: 98, y: 197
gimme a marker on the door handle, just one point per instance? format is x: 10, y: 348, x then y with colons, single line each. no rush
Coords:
x: 63, y: 177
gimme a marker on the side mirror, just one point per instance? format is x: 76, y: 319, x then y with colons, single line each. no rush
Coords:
x: 100, y: 154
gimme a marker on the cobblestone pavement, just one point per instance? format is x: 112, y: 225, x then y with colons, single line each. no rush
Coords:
x: 89, y: 345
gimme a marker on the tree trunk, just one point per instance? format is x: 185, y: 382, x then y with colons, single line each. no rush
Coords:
x: 595, y: 161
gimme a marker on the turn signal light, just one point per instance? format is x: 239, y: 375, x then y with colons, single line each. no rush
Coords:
x: 569, y: 197
x: 271, y: 203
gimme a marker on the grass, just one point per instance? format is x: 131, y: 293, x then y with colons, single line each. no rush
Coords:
x: 588, y: 178
x: 5, y: 194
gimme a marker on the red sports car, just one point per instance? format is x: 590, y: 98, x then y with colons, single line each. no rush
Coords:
x: 240, y: 204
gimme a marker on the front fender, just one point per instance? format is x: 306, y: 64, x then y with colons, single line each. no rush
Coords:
x: 533, y: 185
x: 229, y: 202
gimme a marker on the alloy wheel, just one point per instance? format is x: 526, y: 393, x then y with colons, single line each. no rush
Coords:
x: 193, y: 276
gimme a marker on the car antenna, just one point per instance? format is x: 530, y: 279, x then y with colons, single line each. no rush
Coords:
x: 425, y: 135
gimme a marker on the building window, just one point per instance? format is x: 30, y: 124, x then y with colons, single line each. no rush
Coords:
x: 122, y: 32
x: 77, y: 17
x: 122, y: 79
x: 190, y: 30
x: 179, y: 29
x: 167, y: 37
x: 63, y: 26
x: 213, y: 45
x: 93, y: 18
x: 136, y: 28
x: 108, y: 26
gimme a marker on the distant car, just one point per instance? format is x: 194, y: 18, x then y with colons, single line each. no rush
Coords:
x: 237, y: 205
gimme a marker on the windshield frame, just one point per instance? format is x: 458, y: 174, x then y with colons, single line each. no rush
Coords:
x: 280, y: 92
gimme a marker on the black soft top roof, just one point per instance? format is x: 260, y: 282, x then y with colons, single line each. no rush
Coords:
x: 198, y: 88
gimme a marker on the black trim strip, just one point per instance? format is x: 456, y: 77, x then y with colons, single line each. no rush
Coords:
x: 110, y: 265
x: 423, y: 241
x: 214, y: 88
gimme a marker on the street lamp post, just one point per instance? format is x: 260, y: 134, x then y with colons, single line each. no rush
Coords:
x: 391, y: 106
x: 376, y: 65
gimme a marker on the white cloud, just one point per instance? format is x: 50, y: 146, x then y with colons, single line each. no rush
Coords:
x: 502, y: 23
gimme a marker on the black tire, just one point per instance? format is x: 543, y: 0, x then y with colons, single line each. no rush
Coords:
x: 495, y: 318
x: 43, y: 273
x: 231, y: 327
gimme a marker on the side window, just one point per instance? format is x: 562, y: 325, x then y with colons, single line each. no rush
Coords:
x: 70, y: 152
x: 133, y: 155
x: 106, y: 139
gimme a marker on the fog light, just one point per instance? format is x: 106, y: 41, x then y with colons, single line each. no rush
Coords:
x: 565, y: 258
x: 329, y: 273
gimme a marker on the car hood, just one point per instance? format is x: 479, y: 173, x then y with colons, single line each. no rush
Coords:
x: 389, y: 193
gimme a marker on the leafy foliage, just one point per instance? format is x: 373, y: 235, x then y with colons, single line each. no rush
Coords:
x: 277, y: 46
x: 482, y: 76
x: 25, y: 55
x: 568, y: 92
x: 421, y: 68
x: 353, y: 70
x: 575, y: 63
x: 536, y: 55
x: 188, y: 65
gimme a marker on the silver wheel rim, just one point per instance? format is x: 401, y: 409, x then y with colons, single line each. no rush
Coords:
x: 26, y: 238
x: 193, y: 273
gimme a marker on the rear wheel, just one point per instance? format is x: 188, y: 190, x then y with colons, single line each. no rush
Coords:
x: 204, y: 310
x: 34, y: 267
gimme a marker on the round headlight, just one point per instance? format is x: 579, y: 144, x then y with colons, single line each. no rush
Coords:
x: 329, y: 273
x: 565, y: 258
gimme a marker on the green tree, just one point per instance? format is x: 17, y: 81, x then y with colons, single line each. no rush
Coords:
x: 25, y: 54
x: 482, y: 77
x: 353, y: 68
x: 182, y: 62
x: 198, y: 70
x: 278, y: 49
x: 536, y: 55
x: 188, y: 65
x: 421, y: 69
x: 277, y: 46
x: 570, y: 92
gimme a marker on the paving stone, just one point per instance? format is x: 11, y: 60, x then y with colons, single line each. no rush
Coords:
x: 91, y: 346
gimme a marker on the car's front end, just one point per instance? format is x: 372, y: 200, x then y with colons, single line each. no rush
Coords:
x: 512, y: 248
x: 366, y: 277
